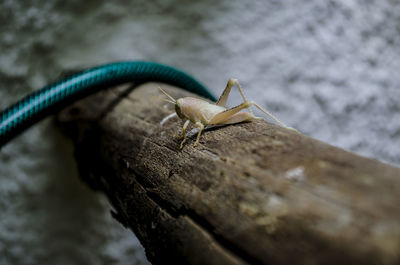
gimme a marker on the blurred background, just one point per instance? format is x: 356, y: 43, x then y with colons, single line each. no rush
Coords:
x: 327, y: 68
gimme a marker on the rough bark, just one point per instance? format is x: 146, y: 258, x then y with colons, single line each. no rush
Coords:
x: 250, y: 193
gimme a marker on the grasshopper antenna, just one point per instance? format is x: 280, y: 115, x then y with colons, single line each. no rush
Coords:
x: 173, y: 101
x: 164, y: 99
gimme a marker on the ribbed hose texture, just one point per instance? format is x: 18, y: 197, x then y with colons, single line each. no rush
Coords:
x: 59, y: 94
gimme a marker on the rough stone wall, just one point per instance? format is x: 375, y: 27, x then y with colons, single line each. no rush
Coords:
x: 328, y: 68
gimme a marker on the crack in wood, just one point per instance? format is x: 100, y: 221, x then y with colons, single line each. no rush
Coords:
x: 205, y: 226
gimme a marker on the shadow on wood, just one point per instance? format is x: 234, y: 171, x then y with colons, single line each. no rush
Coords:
x: 250, y: 193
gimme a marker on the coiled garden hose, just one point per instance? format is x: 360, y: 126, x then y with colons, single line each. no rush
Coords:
x: 59, y: 94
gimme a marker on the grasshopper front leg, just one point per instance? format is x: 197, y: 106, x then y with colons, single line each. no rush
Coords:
x: 184, y: 133
x: 197, y: 124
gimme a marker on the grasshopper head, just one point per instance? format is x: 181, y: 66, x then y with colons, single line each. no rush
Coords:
x: 178, y: 103
x: 178, y: 108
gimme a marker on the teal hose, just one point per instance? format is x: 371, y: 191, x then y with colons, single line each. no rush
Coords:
x: 59, y: 94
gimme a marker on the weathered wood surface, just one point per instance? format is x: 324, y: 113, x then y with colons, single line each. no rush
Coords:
x: 250, y: 193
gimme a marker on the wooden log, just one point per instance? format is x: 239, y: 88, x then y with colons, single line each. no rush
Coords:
x: 250, y: 193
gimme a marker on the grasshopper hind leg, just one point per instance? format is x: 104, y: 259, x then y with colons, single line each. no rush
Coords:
x: 225, y: 94
x: 240, y: 117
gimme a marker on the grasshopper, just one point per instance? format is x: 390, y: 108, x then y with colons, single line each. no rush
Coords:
x: 203, y: 113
